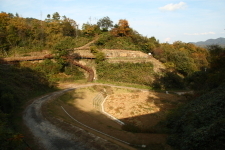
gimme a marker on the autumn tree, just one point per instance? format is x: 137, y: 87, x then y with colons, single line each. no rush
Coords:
x: 17, y: 31
x: 90, y: 29
x: 4, y: 21
x: 122, y: 29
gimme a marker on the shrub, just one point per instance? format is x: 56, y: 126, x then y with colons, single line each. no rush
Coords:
x: 74, y: 72
x: 99, y: 56
x: 94, y: 49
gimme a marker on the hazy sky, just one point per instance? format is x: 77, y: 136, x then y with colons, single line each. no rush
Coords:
x: 166, y: 20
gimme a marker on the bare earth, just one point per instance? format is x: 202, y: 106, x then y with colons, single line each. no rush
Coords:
x: 139, y: 107
x: 51, y: 137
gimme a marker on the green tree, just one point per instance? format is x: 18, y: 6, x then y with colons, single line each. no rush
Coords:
x: 105, y: 23
x: 69, y: 27
x: 217, y: 65
x: 56, y: 16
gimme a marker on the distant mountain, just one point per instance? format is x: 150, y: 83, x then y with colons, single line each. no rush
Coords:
x: 219, y: 41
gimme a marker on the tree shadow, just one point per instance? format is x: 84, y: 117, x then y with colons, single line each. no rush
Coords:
x: 168, y: 80
x: 147, y: 132
x: 18, y: 85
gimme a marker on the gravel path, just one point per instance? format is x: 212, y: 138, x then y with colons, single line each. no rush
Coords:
x: 51, y: 137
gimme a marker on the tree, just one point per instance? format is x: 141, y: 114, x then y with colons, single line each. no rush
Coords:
x: 48, y: 16
x: 90, y: 29
x: 217, y: 64
x: 105, y: 23
x: 123, y: 28
x: 17, y: 15
x: 56, y: 16
x: 4, y: 21
x: 69, y: 26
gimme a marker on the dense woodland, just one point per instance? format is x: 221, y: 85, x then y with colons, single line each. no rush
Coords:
x: 197, y: 125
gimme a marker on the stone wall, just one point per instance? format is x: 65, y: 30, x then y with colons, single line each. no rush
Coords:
x: 111, y: 53
x: 124, y: 53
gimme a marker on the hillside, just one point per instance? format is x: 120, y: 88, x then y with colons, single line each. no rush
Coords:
x: 31, y: 64
x: 17, y: 86
x: 218, y: 41
x: 201, y: 123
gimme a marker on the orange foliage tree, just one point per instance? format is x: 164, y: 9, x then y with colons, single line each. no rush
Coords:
x: 122, y: 29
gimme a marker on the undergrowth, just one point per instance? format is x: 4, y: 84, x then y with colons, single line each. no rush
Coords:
x: 56, y: 72
x: 137, y: 73
x: 17, y: 86
x: 200, y: 124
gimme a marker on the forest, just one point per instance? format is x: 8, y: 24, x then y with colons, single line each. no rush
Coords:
x: 197, y: 125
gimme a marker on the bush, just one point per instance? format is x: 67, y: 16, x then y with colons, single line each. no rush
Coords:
x: 74, y: 72
x: 99, y: 56
x: 94, y: 49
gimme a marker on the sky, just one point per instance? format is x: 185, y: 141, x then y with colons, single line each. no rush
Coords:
x: 166, y: 20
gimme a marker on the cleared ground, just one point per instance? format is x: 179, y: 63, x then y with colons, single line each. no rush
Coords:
x: 140, y: 108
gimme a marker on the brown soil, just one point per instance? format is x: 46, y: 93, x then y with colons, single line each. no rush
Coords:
x: 143, y: 109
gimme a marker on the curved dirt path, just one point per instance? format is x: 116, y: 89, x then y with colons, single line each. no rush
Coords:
x: 50, y: 137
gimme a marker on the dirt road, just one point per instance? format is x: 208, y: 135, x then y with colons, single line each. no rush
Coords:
x: 51, y: 137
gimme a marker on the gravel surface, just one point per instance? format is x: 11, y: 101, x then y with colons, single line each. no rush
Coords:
x: 51, y: 137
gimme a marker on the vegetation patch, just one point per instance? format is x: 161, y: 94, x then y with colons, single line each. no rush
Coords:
x: 55, y: 71
x: 139, y: 73
x: 200, y: 123
x: 17, y: 86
